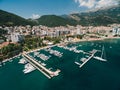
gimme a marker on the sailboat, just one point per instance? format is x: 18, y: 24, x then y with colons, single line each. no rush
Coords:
x: 77, y: 62
x: 101, y: 58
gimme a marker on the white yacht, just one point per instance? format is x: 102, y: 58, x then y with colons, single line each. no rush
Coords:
x: 43, y: 64
x: 99, y: 58
x: 55, y: 52
x: 22, y: 61
x: 28, y: 68
x: 83, y: 59
x: 44, y: 57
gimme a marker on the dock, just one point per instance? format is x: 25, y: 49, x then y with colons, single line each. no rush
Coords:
x: 48, y: 73
x: 92, y: 55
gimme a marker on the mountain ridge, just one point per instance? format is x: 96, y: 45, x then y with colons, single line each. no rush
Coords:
x: 95, y: 18
x: 99, y: 17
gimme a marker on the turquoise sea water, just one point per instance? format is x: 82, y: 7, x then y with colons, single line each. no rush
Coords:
x: 94, y: 75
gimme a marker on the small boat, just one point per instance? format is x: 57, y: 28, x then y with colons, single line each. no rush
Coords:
x: 43, y: 64
x: 99, y: 45
x: 110, y: 46
x: 0, y: 65
x: 50, y: 68
x: 39, y: 61
x: 77, y: 63
x: 3, y: 63
x: 80, y: 45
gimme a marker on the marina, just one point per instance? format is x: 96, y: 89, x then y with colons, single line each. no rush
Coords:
x: 59, y: 44
x: 84, y: 60
x: 41, y: 68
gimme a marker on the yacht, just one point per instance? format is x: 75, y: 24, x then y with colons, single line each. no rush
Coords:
x: 22, y: 61
x: 43, y: 64
x: 55, y: 52
x: 43, y: 57
x: 78, y: 51
x: 28, y: 68
x: 83, y: 59
x: 99, y: 58
x: 36, y: 53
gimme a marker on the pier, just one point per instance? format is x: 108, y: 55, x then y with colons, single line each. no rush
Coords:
x: 92, y: 55
x: 48, y: 73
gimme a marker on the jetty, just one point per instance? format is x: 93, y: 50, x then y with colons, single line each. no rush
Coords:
x: 48, y: 73
x: 91, y: 56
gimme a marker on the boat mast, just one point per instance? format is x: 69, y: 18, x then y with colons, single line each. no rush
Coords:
x: 102, y: 51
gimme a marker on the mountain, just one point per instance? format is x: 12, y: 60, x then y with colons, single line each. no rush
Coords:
x: 96, y: 17
x: 103, y: 16
x: 9, y: 19
x: 53, y: 20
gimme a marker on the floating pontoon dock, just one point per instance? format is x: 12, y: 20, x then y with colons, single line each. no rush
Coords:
x: 92, y: 55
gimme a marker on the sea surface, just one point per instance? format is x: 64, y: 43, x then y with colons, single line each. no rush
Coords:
x: 94, y: 75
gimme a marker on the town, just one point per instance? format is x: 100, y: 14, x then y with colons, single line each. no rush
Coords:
x: 17, y: 39
x: 16, y: 34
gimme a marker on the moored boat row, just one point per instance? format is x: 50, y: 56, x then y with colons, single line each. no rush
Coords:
x: 54, y: 52
x: 43, y: 57
x: 74, y: 49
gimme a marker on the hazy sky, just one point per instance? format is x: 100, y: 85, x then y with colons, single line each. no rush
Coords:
x: 36, y: 8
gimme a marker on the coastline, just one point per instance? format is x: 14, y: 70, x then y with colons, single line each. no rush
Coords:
x: 75, y: 41
x: 9, y: 59
x: 95, y: 39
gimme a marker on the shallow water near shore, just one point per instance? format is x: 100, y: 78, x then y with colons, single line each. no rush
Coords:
x: 94, y: 75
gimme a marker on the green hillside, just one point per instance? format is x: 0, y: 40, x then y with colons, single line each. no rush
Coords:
x: 53, y: 20
x: 10, y: 19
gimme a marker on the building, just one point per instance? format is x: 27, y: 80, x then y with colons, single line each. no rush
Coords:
x: 16, y: 37
x: 116, y: 31
x: 78, y: 31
